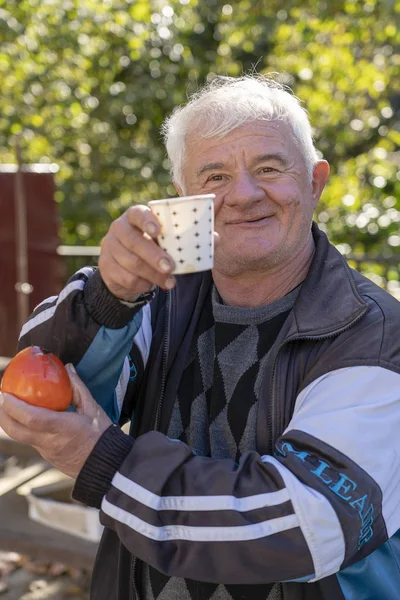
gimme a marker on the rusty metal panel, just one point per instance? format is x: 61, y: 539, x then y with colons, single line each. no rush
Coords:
x: 46, y: 269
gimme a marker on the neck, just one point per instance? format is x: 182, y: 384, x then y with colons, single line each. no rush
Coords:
x: 253, y: 289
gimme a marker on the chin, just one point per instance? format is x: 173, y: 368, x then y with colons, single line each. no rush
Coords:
x: 250, y: 250
x: 236, y: 263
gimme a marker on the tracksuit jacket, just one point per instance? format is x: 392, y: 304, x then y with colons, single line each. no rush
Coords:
x: 316, y: 506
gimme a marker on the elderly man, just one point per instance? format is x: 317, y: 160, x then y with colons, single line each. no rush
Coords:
x: 264, y: 397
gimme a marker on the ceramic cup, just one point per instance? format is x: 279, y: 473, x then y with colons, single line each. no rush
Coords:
x: 187, y: 225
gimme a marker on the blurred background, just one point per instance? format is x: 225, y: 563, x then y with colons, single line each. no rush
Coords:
x: 86, y: 84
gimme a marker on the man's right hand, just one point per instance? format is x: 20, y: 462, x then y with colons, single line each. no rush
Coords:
x: 131, y: 262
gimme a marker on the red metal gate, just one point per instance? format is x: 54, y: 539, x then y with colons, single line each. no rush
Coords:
x: 45, y: 268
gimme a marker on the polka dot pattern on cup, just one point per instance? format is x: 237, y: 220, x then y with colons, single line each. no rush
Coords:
x: 187, y: 226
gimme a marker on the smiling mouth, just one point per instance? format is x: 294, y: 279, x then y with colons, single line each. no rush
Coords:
x: 259, y: 221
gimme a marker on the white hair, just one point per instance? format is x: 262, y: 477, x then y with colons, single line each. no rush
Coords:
x: 225, y: 104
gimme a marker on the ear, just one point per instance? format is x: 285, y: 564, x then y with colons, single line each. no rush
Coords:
x: 320, y: 177
x: 178, y: 188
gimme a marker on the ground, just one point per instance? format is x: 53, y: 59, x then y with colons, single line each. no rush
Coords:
x: 26, y: 577
x: 23, y: 578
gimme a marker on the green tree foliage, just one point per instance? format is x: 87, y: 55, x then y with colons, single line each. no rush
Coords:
x: 87, y: 84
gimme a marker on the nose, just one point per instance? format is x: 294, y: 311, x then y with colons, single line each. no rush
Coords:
x: 244, y: 191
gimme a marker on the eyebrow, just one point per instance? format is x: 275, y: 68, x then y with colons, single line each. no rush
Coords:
x: 209, y: 167
x: 273, y: 157
x: 261, y: 158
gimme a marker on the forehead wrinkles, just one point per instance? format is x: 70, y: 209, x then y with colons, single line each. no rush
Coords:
x: 249, y: 140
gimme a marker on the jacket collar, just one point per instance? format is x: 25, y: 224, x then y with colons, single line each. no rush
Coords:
x: 327, y: 303
x: 329, y: 300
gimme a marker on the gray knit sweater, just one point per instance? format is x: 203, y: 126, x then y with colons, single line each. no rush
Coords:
x: 215, y: 413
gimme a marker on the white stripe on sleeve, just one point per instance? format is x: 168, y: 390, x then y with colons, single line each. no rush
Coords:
x: 49, y: 300
x: 49, y: 312
x: 122, y: 384
x: 198, y: 503
x: 199, y: 534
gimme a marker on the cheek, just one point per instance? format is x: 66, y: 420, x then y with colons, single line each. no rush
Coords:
x: 289, y: 203
x: 284, y: 193
x: 217, y: 208
x: 217, y: 202
x: 292, y: 201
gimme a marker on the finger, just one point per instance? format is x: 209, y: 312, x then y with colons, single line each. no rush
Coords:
x: 217, y: 239
x: 134, y: 265
x: 79, y: 389
x: 17, y: 431
x: 143, y: 218
x: 85, y: 403
x: 81, y: 396
x: 32, y: 417
x: 123, y: 284
x: 120, y: 282
x: 140, y: 245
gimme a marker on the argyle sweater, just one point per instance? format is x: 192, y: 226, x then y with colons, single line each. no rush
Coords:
x: 215, y: 413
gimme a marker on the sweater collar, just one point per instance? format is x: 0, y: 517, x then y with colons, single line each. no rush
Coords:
x: 327, y: 303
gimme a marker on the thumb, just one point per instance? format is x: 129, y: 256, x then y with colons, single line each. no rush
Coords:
x: 85, y: 403
x: 81, y: 397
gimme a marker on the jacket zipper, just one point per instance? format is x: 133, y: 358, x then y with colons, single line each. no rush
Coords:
x: 133, y: 586
x: 165, y: 360
x: 271, y: 407
x: 134, y: 591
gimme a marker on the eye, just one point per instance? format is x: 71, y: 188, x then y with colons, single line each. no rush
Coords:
x: 215, y: 178
x: 269, y: 170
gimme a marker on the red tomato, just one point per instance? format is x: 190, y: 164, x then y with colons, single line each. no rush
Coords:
x: 39, y: 378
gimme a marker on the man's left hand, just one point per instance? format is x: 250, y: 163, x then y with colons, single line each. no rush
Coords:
x: 63, y: 439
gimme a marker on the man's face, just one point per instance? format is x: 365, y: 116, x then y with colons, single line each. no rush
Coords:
x: 264, y: 198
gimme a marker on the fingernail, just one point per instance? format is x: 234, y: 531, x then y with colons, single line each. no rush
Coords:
x: 151, y: 229
x: 164, y: 265
x: 170, y: 283
x: 71, y: 367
